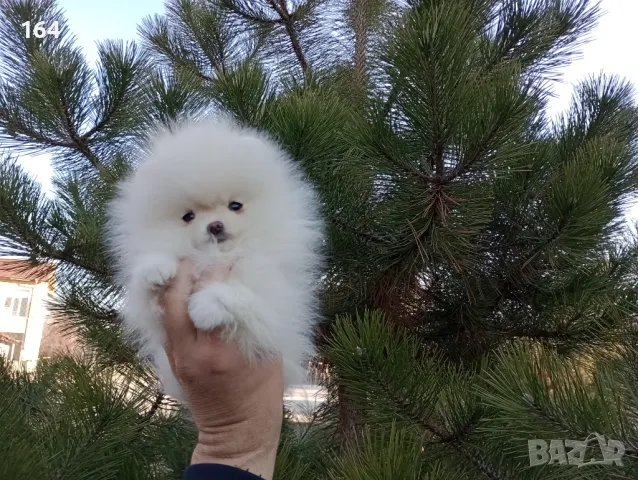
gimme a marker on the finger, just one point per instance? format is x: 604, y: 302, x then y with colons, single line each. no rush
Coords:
x: 180, y: 330
x: 217, y: 273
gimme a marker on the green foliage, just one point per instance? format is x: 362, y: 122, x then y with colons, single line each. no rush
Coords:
x: 74, y: 419
x: 457, y: 419
x: 380, y: 458
x: 484, y: 241
x: 298, y: 457
x: 50, y: 98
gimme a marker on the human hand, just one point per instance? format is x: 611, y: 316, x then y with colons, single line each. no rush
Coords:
x: 237, y: 407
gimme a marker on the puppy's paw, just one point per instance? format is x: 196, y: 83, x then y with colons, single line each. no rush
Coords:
x: 207, y: 311
x: 155, y: 271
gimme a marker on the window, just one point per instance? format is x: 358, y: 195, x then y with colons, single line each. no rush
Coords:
x: 17, y: 305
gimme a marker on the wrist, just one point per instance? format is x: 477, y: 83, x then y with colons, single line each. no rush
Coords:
x: 260, y: 463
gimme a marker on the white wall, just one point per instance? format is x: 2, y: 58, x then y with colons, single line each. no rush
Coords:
x: 8, y: 322
x: 32, y: 325
x: 35, y: 323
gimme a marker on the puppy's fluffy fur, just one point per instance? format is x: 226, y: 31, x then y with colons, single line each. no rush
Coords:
x: 271, y: 243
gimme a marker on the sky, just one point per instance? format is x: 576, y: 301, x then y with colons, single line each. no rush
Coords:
x: 612, y: 48
x: 92, y: 21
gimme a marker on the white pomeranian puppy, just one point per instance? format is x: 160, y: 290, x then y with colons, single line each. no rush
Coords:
x: 227, y: 197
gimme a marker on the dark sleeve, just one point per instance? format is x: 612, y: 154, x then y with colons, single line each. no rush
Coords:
x: 214, y: 471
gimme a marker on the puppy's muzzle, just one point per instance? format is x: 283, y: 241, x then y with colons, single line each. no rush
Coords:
x: 216, y: 230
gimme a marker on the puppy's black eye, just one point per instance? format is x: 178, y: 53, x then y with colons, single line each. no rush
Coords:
x: 188, y: 216
x: 235, y: 206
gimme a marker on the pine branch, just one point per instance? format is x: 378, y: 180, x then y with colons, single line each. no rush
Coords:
x: 454, y: 440
x: 475, y: 154
x: 157, y: 403
x: 65, y: 470
x: 66, y: 256
x: 361, y: 33
x: 79, y: 142
x: 464, y: 449
x: 159, y: 36
x: 355, y: 231
x: 470, y: 455
x: 382, y: 366
x: 287, y: 19
x: 231, y: 6
x: 543, y: 36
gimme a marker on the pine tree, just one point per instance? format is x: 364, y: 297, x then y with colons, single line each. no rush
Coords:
x: 481, y: 284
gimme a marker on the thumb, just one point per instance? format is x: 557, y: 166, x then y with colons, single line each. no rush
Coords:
x: 180, y: 330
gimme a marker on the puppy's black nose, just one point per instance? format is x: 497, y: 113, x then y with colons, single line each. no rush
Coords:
x: 215, y: 228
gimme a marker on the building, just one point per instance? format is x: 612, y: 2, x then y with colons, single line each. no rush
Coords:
x: 24, y: 290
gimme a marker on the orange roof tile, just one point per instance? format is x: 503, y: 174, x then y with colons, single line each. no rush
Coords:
x: 21, y: 270
x: 4, y: 338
